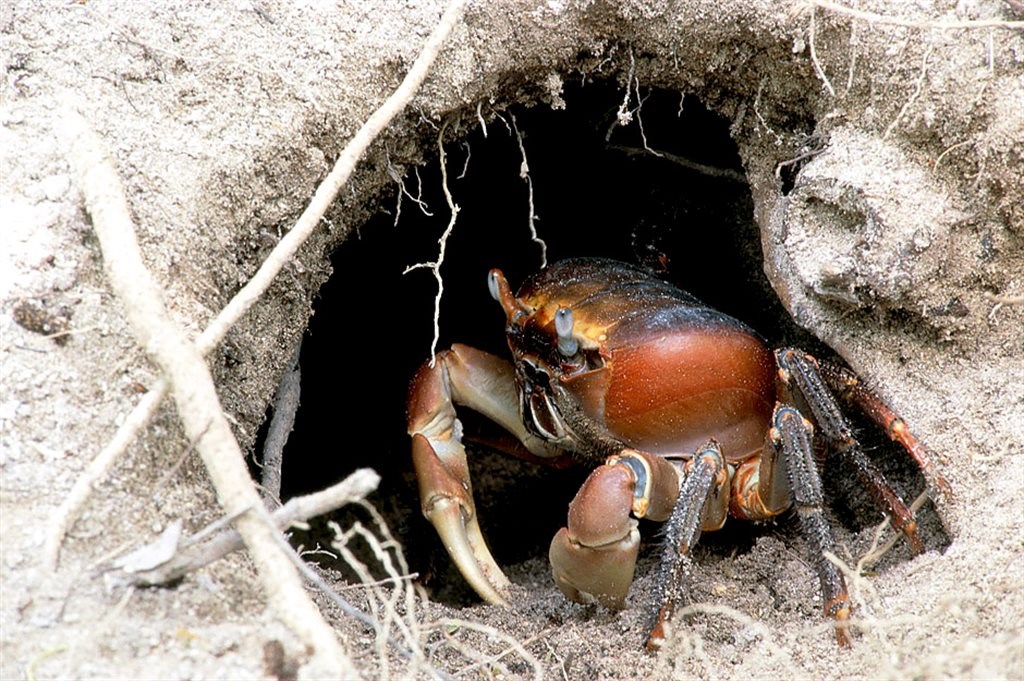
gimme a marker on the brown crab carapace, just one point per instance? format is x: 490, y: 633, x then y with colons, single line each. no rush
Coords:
x: 686, y: 415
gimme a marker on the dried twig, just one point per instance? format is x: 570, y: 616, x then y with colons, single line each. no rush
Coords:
x: 68, y: 512
x: 1004, y: 299
x: 388, y: 553
x: 320, y: 583
x: 197, y: 554
x: 286, y: 406
x: 194, y: 393
x: 886, y: 20
x: 710, y: 171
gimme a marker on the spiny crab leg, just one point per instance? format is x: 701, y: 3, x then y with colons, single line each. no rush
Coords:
x: 700, y: 505
x: 800, y: 374
x: 486, y: 384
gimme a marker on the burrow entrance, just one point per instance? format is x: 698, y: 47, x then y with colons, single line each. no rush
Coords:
x: 667, y: 191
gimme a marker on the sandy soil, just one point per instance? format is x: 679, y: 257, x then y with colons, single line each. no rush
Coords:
x: 899, y: 245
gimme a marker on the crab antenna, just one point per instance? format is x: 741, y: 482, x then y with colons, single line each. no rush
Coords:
x: 567, y: 345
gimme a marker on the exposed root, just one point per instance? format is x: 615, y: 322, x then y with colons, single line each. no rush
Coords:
x: 69, y: 511
x: 886, y: 20
x: 402, y: 191
x: 703, y: 169
x: 946, y: 152
x: 918, y: 86
x: 194, y: 394
x: 449, y: 627
x: 196, y: 552
x: 624, y: 116
x: 286, y: 406
x: 760, y: 118
x: 397, y: 614
x: 814, y: 57
x: 435, y: 265
x: 876, y: 552
x: 524, y: 172
x: 480, y: 118
x: 687, y: 644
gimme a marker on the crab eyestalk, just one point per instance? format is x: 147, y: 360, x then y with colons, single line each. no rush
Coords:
x: 567, y: 345
x: 502, y: 292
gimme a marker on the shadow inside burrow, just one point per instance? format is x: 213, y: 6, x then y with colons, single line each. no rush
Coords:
x: 599, y: 189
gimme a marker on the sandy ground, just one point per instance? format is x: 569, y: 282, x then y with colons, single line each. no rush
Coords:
x: 899, y: 246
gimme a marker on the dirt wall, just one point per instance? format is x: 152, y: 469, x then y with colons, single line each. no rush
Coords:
x: 891, y: 231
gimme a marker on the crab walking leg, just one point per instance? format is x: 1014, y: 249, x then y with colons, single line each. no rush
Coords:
x: 791, y: 436
x: 593, y: 557
x: 486, y: 384
x: 851, y: 388
x: 799, y: 373
x: 701, y: 505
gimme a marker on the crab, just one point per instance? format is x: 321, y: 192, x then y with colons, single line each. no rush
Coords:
x: 684, y: 414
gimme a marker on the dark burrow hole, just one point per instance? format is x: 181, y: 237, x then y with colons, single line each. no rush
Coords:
x: 596, y: 193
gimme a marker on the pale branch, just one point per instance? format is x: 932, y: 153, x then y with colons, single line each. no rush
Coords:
x: 887, y: 20
x: 195, y: 396
x: 286, y: 406
x: 1006, y: 299
x: 197, y: 553
x: 65, y: 516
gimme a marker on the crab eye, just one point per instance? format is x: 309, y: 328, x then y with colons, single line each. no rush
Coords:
x: 567, y: 345
x: 492, y: 284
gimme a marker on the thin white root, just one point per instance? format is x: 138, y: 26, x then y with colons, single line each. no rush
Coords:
x: 435, y: 265
x: 886, y: 20
x: 67, y: 514
x: 875, y: 552
x: 814, y: 57
x: 918, y: 86
x: 449, y: 626
x: 194, y: 394
x: 524, y: 173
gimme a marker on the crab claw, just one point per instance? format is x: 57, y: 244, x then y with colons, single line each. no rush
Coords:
x: 448, y: 505
x: 439, y: 458
x: 593, y: 556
